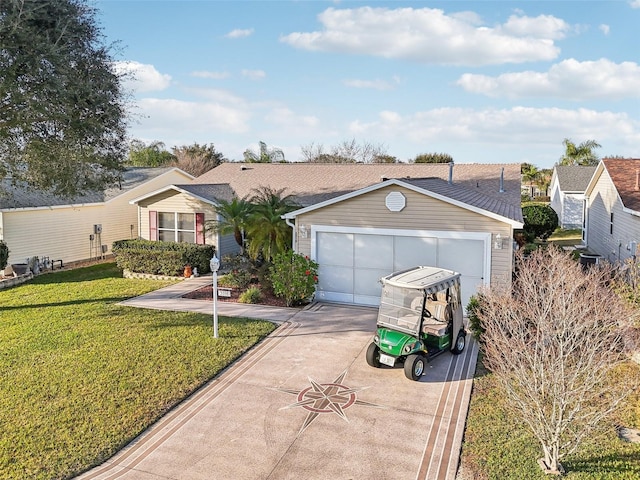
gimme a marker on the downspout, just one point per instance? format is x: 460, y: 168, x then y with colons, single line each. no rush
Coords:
x: 294, y: 239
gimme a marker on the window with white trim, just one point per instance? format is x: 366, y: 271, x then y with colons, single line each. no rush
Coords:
x: 177, y: 227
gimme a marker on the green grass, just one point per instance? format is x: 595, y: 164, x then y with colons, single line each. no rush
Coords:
x: 81, y: 376
x: 498, y: 446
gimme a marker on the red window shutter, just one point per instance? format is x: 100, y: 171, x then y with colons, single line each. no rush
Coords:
x: 153, y: 225
x: 200, y: 228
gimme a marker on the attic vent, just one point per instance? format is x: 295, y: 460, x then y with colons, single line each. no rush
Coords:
x: 395, y: 201
x: 384, y: 179
x: 243, y: 168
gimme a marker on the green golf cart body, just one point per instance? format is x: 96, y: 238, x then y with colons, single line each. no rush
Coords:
x: 420, y: 317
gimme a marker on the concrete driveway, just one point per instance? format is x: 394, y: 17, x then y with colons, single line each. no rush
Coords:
x: 305, y: 404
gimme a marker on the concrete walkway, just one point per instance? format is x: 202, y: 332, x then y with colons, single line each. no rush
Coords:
x: 304, y: 404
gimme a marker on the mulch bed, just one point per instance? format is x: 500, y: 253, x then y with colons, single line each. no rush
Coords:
x: 206, y: 293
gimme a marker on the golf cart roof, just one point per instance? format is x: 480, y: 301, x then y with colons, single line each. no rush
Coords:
x: 431, y: 279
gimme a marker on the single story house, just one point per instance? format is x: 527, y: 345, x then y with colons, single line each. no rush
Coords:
x: 38, y: 223
x: 363, y: 221
x: 612, y: 217
x: 568, y: 183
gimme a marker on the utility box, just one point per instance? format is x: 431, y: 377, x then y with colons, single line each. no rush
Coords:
x: 97, y: 229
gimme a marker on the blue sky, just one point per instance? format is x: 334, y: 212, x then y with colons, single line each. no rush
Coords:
x: 486, y: 82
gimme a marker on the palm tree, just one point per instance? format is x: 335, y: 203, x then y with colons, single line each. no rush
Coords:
x: 232, y: 219
x: 268, y: 233
x: 530, y: 175
x: 266, y: 155
x: 582, y: 154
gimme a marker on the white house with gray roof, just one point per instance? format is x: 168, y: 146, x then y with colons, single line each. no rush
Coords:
x: 363, y: 221
x: 568, y: 184
x: 38, y: 223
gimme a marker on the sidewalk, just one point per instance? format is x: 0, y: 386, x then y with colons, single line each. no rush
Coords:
x: 170, y: 298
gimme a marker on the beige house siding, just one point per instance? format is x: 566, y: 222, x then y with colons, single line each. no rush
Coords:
x: 603, y: 200
x: 420, y: 213
x: 62, y: 233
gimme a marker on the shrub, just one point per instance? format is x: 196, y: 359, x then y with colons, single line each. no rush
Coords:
x: 239, y: 279
x: 473, y: 309
x: 250, y: 295
x: 539, y: 220
x: 163, y: 258
x: 293, y: 277
x: 4, y: 254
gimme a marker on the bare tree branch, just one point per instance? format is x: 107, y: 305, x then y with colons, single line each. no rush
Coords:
x: 552, y: 341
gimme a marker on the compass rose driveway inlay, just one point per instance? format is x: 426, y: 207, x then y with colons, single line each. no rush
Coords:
x: 305, y: 404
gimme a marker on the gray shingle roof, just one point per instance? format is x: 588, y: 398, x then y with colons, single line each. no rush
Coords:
x: 210, y: 192
x: 574, y: 178
x: 23, y: 196
x: 469, y: 196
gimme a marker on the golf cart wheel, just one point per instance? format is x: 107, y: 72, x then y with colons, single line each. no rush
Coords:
x: 373, y: 356
x: 461, y: 342
x: 414, y: 366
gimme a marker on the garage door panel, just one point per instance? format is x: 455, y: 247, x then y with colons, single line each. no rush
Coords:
x: 335, y: 248
x: 462, y: 256
x: 373, y: 251
x: 335, y: 279
x: 367, y: 282
x: 413, y: 251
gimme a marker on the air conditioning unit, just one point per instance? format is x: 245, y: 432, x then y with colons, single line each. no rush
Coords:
x: 97, y: 229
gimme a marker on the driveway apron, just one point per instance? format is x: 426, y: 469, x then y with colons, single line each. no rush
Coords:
x: 305, y: 404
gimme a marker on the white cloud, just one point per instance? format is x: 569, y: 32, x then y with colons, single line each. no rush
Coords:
x: 430, y: 36
x: 604, y: 28
x: 482, y: 133
x: 635, y: 3
x: 542, y: 26
x: 376, y: 84
x: 164, y: 117
x: 142, y: 77
x: 213, y: 75
x: 284, y: 117
x: 569, y: 79
x: 240, y: 33
x: 254, y: 74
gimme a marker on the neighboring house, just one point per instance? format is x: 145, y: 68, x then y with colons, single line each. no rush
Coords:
x: 568, y: 184
x: 613, y: 209
x: 36, y: 223
x: 363, y: 221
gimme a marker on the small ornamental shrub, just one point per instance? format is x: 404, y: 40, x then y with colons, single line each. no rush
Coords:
x: 239, y: 279
x: 293, y: 277
x: 4, y: 254
x: 250, y: 295
x: 539, y: 220
x: 473, y: 309
x: 161, y: 258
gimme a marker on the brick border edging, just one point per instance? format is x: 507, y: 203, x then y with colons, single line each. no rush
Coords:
x: 148, y: 276
x: 12, y: 282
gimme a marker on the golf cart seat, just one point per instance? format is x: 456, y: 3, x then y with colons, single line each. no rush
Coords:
x: 438, y: 323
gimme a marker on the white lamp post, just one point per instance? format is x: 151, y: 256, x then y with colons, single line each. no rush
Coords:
x: 214, y: 263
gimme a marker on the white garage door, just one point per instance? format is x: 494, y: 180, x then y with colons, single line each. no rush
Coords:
x: 351, y: 263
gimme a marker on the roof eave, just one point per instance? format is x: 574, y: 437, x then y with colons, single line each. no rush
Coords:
x: 514, y: 223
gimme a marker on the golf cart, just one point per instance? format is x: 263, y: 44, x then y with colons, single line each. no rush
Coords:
x: 420, y: 317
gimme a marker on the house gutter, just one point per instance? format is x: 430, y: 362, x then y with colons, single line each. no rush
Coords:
x: 294, y: 239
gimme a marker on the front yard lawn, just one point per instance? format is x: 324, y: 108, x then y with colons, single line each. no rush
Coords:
x: 499, y: 446
x: 80, y: 376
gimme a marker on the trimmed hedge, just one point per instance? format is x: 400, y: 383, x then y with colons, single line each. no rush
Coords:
x: 539, y: 221
x: 161, y: 258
